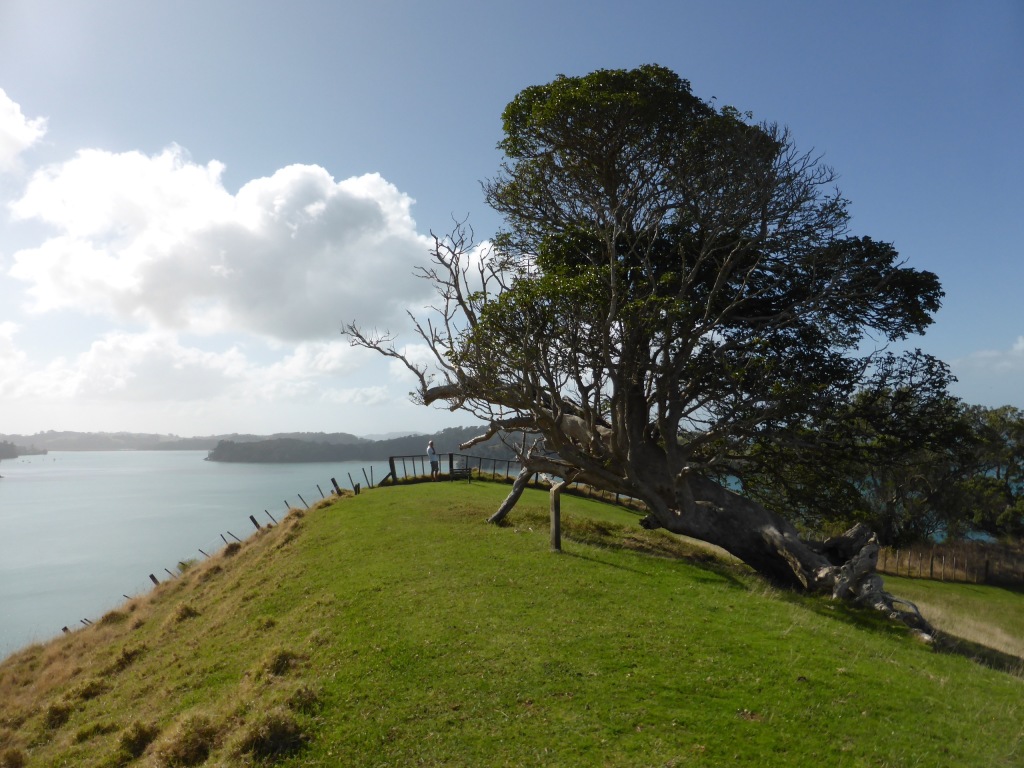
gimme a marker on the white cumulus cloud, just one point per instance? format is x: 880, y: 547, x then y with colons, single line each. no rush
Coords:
x: 159, y: 240
x: 17, y: 132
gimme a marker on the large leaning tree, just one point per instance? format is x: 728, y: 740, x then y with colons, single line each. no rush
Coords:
x: 675, y: 293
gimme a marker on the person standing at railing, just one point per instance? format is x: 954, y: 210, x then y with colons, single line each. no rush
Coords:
x: 435, y: 465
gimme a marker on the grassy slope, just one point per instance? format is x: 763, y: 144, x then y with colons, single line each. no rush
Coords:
x: 396, y: 628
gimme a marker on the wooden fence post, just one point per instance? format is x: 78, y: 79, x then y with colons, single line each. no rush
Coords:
x: 337, y: 488
x: 253, y: 518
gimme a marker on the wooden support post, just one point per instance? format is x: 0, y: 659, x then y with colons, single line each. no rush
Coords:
x: 270, y: 516
x: 153, y: 579
x: 556, y: 516
x: 225, y: 540
x: 203, y: 553
x: 234, y: 537
x: 337, y: 488
x: 170, y: 573
x: 65, y: 630
x: 253, y: 518
x: 368, y: 484
x: 303, y: 501
x: 391, y: 466
x: 356, y: 488
x: 321, y: 492
x: 350, y: 481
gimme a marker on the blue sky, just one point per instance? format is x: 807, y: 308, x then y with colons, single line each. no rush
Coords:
x: 194, y: 196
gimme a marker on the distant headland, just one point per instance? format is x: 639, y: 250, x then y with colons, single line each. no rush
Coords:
x: 284, y: 447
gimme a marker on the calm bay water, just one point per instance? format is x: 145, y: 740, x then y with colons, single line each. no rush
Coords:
x: 80, y: 530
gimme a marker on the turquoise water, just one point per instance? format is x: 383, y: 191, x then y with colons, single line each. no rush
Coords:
x: 80, y: 530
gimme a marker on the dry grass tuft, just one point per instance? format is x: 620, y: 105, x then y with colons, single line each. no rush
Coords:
x: 304, y: 699
x: 135, y: 738
x: 209, y: 573
x: 56, y: 714
x: 125, y: 658
x: 269, y: 734
x: 96, y: 729
x: 89, y: 689
x: 13, y: 758
x: 183, y: 612
x: 188, y: 743
x: 114, y: 617
x: 231, y: 549
x: 278, y: 662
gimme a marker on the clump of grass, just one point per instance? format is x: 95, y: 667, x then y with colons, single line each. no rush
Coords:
x: 275, y: 733
x: 209, y: 573
x: 13, y: 758
x: 183, y: 612
x: 231, y: 549
x: 188, y: 743
x: 304, y: 699
x: 90, y: 689
x: 125, y: 658
x: 96, y: 729
x: 113, y: 617
x: 278, y: 662
x: 135, y: 738
x: 264, y: 623
x: 185, y: 565
x: 56, y: 714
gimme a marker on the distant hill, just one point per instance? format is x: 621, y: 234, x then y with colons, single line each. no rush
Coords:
x: 142, y: 441
x: 294, y: 450
x: 281, y: 447
x: 9, y: 450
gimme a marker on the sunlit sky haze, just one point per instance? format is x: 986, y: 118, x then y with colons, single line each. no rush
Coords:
x: 196, y: 196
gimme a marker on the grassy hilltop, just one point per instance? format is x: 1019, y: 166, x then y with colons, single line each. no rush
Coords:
x: 396, y: 628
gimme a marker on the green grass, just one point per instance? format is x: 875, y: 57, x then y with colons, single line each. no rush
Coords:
x: 397, y: 628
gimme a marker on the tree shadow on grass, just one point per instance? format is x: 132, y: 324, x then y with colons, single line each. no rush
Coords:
x: 875, y: 621
x: 979, y: 654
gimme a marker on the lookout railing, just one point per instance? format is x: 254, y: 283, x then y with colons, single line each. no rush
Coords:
x: 408, y: 467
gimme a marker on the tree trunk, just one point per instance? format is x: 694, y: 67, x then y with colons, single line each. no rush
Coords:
x: 510, y: 501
